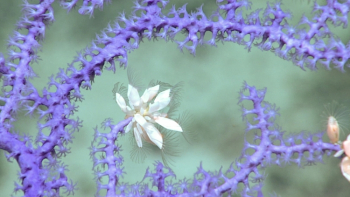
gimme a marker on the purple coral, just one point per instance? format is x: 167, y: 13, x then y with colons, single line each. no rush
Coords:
x: 43, y: 173
x: 206, y: 183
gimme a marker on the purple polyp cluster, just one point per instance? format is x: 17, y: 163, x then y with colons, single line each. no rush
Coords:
x: 42, y: 173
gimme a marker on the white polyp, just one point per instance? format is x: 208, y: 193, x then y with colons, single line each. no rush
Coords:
x: 154, y: 135
x: 159, y: 105
x: 129, y: 109
x: 156, y: 114
x: 333, y: 129
x: 339, y: 153
x: 145, y: 114
x: 148, y: 119
x: 145, y: 96
x: 121, y: 102
x: 163, y: 103
x: 152, y: 92
x: 142, y: 110
x: 131, y: 105
x: 133, y: 96
x: 162, y: 95
x: 128, y: 127
x: 168, y: 124
x: 333, y: 124
x: 137, y: 137
x: 140, y: 119
x: 139, y: 129
x: 153, y: 107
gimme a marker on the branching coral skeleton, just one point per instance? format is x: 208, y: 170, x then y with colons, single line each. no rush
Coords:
x: 42, y: 172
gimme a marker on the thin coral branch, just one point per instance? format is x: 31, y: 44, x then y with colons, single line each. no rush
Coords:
x: 41, y: 171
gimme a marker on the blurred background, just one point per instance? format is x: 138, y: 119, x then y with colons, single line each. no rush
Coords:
x: 212, y: 80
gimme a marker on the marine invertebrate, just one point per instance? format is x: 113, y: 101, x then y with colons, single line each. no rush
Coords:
x: 42, y: 171
x: 336, y: 115
x: 144, y: 114
x: 153, y: 107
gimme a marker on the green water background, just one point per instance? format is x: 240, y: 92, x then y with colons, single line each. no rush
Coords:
x: 212, y: 80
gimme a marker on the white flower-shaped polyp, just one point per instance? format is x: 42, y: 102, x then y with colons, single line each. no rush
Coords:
x: 145, y: 114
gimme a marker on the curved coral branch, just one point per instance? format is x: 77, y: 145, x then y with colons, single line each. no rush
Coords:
x: 115, y: 42
x: 206, y: 183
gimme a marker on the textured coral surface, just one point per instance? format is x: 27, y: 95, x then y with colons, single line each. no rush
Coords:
x: 44, y: 101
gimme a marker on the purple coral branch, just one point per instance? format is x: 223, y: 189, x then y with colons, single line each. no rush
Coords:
x: 205, y: 183
x: 293, y: 44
